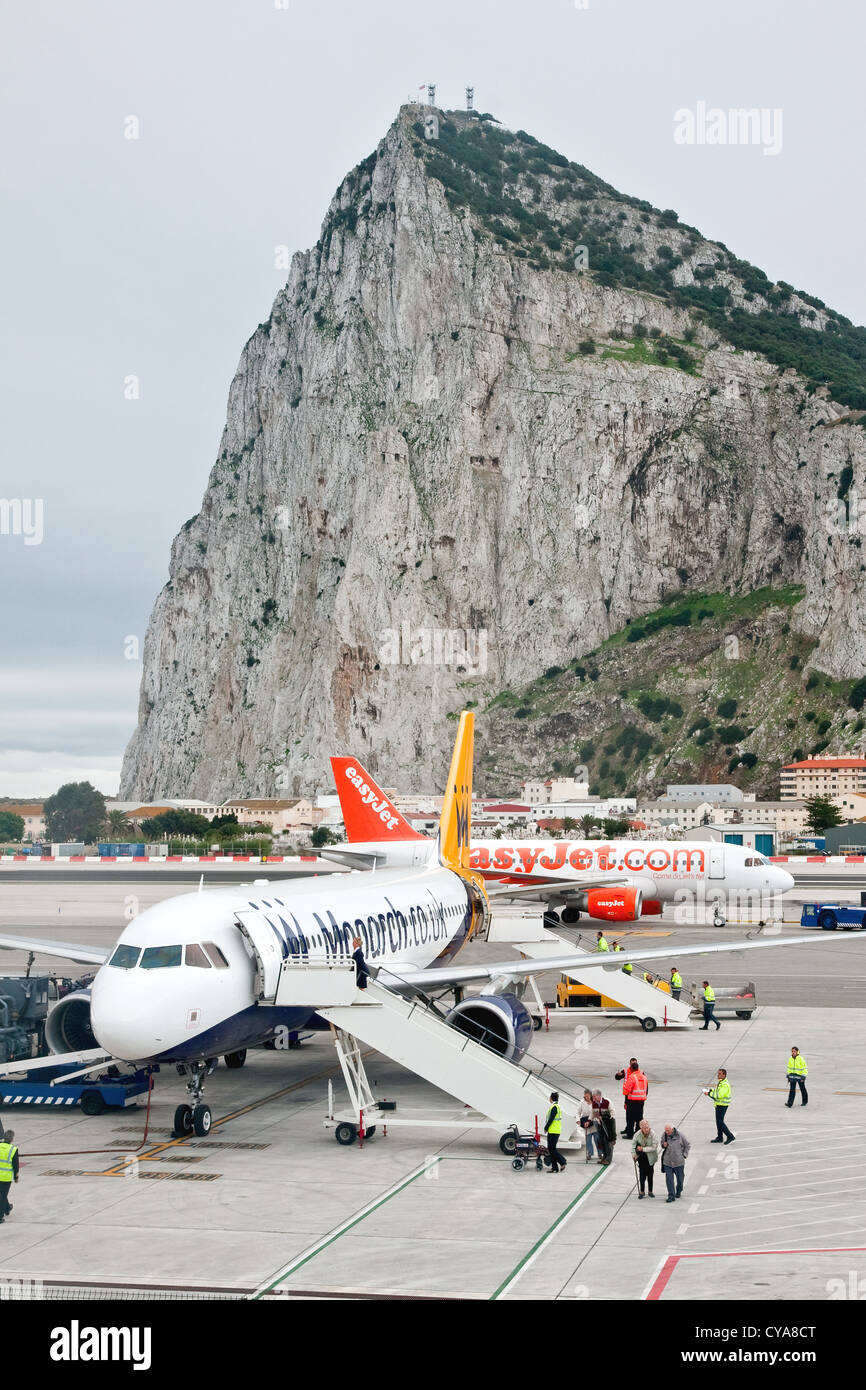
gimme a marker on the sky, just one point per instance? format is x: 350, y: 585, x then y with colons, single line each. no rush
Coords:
x: 155, y: 153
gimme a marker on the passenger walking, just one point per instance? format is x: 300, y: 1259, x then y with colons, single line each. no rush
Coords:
x: 797, y: 1073
x: 8, y: 1171
x: 634, y: 1088
x: 606, y: 1127
x: 676, y: 983
x: 553, y: 1129
x: 720, y: 1095
x: 587, y: 1122
x: 709, y: 997
x: 601, y: 942
x: 675, y: 1151
x: 645, y: 1148
x: 362, y: 971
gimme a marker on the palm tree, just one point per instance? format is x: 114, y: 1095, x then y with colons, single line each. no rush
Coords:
x: 117, y: 827
x: 587, y: 825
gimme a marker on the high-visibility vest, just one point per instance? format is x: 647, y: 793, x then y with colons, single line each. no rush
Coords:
x: 637, y: 1085
x: 617, y: 947
x: 709, y: 994
x: 602, y: 945
x: 7, y: 1152
x: 627, y: 968
x: 676, y: 981
x: 721, y: 1093
x: 554, y: 1125
x: 797, y: 1066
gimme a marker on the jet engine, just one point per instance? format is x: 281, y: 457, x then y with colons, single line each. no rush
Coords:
x: 501, y: 1022
x: 613, y: 904
x: 68, y: 1028
x: 650, y: 907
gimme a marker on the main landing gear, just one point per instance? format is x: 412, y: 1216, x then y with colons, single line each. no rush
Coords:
x: 196, y: 1116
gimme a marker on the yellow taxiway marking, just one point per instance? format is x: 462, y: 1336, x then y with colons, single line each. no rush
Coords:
x: 119, y: 1170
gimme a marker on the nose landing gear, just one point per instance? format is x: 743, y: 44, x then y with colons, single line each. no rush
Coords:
x: 196, y: 1117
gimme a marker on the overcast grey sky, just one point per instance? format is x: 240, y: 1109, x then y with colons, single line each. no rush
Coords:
x: 155, y: 257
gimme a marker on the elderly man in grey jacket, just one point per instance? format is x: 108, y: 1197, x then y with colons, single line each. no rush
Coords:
x: 675, y: 1151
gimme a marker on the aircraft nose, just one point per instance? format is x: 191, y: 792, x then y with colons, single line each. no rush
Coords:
x: 783, y: 882
x: 122, y: 1024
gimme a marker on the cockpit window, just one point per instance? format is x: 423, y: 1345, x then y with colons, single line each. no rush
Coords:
x: 216, y: 955
x: 160, y: 957
x: 194, y: 955
x: 126, y: 957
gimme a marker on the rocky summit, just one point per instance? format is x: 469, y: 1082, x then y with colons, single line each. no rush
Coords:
x: 499, y: 413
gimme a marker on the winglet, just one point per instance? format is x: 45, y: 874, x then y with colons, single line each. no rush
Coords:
x: 455, y: 822
x: 368, y: 814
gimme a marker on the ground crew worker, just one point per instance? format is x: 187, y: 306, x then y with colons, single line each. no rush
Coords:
x: 623, y: 1072
x: 553, y: 1129
x: 600, y: 942
x: 709, y: 997
x: 615, y: 946
x: 634, y: 1088
x: 676, y: 983
x: 797, y: 1073
x: 720, y: 1095
x: 362, y: 972
x: 8, y: 1171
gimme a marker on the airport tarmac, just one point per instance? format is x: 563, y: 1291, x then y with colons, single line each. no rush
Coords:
x: 270, y: 1206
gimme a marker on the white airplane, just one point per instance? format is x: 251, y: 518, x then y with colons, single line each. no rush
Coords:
x: 185, y: 982
x: 608, y: 880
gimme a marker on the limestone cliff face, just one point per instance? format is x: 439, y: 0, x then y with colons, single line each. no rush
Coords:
x: 416, y: 445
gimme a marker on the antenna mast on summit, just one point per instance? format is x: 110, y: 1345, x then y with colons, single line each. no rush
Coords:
x: 470, y: 98
x: 431, y: 93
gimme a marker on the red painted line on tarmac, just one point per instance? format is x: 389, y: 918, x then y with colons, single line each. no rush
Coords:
x: 663, y: 1277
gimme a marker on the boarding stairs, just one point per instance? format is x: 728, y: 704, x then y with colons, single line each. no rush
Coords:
x: 653, y: 1006
x: 411, y: 1031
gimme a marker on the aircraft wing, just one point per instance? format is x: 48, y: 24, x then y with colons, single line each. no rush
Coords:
x: 63, y: 950
x: 608, y: 961
x: 350, y: 858
x: 553, y: 886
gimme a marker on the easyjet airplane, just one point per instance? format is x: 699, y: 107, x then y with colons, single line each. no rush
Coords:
x: 193, y: 977
x: 609, y: 880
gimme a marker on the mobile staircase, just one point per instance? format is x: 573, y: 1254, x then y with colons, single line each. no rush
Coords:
x: 411, y: 1031
x: 633, y: 996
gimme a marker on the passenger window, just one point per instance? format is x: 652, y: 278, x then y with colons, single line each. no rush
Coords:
x: 160, y: 957
x: 126, y: 957
x: 216, y: 955
x: 194, y: 955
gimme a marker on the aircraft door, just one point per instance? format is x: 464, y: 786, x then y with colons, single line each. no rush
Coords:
x: 263, y: 948
x: 717, y: 861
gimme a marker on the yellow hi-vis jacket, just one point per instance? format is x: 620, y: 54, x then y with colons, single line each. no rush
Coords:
x: 797, y: 1066
x: 676, y: 981
x: 709, y: 994
x: 627, y: 967
x: 602, y: 944
x: 7, y: 1153
x: 554, y: 1120
x: 721, y: 1093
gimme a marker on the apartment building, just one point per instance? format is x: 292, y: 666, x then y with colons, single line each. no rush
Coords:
x: 831, y: 777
